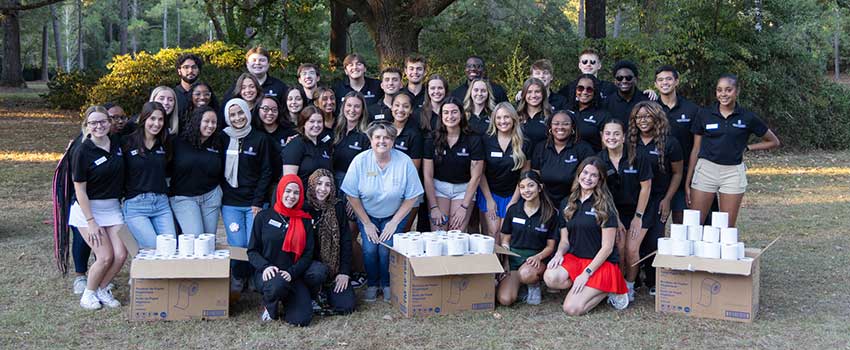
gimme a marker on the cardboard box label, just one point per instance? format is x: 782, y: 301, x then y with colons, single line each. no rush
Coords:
x: 179, y: 299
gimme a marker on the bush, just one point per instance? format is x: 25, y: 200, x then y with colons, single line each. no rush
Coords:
x: 69, y: 90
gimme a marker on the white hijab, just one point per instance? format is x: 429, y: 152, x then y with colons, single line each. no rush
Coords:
x: 231, y: 161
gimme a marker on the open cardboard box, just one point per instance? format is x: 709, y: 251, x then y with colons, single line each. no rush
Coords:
x: 443, y: 285
x: 709, y: 288
x: 236, y: 253
x: 178, y: 289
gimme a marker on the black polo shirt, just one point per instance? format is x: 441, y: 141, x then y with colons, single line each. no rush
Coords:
x: 410, y: 140
x: 569, y: 91
x: 529, y: 232
x: 102, y: 171
x: 590, y: 121
x: 621, y: 108
x: 681, y: 118
x: 350, y: 145
x: 277, y: 139
x: 725, y: 139
x: 271, y: 87
x: 453, y: 166
x: 672, y: 153
x: 254, y: 171
x: 498, y: 165
x: 499, y: 94
x: 557, y: 170
x: 381, y: 112
x: 145, y: 169
x: 195, y: 171
x: 266, y: 241
x: 418, y: 100
x: 309, y: 156
x: 534, y: 129
x: 585, y: 234
x: 557, y: 102
x: 371, y: 90
x: 479, y: 124
x: 624, y: 180
x: 435, y: 118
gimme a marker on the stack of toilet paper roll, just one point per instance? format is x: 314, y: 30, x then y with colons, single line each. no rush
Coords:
x: 187, y: 245
x: 442, y: 243
x: 718, y: 241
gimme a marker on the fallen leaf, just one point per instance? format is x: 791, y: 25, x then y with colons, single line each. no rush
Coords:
x: 21, y: 256
x: 497, y: 315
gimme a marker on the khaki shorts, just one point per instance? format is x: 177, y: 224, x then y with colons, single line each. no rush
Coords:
x: 712, y: 177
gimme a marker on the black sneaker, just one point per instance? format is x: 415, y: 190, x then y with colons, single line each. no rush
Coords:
x: 358, y: 281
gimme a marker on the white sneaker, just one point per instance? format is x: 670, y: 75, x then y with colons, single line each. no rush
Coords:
x: 89, y: 301
x: 106, y: 298
x: 80, y: 284
x: 534, y: 297
x: 110, y: 286
x: 631, y: 294
x: 266, y: 317
x: 618, y: 301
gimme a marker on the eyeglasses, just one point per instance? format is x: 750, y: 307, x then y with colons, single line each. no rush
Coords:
x: 474, y: 66
x: 119, y: 117
x: 187, y: 67
x: 624, y: 77
x: 94, y: 123
x: 201, y: 94
x: 268, y: 109
x: 643, y: 116
x: 582, y: 88
x: 592, y: 62
x: 308, y: 73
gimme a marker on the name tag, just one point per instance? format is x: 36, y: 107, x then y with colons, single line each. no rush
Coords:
x: 371, y: 173
x: 630, y: 170
x: 326, y: 138
x: 711, y: 126
x: 590, y: 213
x: 275, y: 223
x: 379, y: 117
x: 520, y: 221
x: 496, y: 154
x: 654, y: 152
x: 100, y: 161
x: 134, y: 152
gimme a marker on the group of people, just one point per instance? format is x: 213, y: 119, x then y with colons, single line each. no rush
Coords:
x: 577, y: 183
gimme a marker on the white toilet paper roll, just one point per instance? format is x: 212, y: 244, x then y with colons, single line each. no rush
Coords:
x: 665, y: 246
x: 186, y: 245
x: 711, y: 250
x: 729, y: 235
x: 416, y: 247
x: 710, y: 234
x: 452, y: 232
x: 741, y: 250
x: 694, y: 233
x: 202, y: 246
x: 429, y: 235
x: 729, y: 252
x: 210, y: 240
x: 698, y: 249
x: 746, y: 258
x: 681, y: 248
x: 678, y: 232
x: 720, y: 219
x: 691, y: 217
x: 457, y: 246
x: 488, y: 245
x: 433, y: 247
x: 166, y: 245
x: 400, y: 243
x: 445, y: 245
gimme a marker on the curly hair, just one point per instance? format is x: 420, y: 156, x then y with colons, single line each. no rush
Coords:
x: 603, y: 202
x: 574, y: 105
x: 660, y: 128
x: 192, y: 132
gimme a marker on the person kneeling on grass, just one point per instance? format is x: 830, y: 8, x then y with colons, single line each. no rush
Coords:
x: 586, y: 262
x: 281, y: 250
x: 529, y: 231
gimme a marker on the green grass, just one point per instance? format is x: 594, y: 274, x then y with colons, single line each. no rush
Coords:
x: 805, y: 279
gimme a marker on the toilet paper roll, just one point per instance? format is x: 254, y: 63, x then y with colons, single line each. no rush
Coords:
x: 211, y: 240
x: 694, y: 233
x: 445, y: 245
x: 741, y: 250
x: 691, y: 217
x: 729, y: 235
x: 166, y: 245
x: 711, y: 250
x: 681, y: 248
x: 433, y: 247
x: 698, y: 251
x: 665, y: 246
x: 452, y: 232
x: 746, y: 258
x: 186, y: 245
x: 457, y: 246
x: 400, y: 243
x: 710, y: 234
x: 720, y: 219
x: 488, y: 245
x: 416, y: 247
x: 679, y: 232
x: 729, y: 252
x: 202, y: 246
x: 429, y: 235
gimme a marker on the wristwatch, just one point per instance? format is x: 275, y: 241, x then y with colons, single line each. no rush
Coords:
x: 588, y: 271
x: 639, y: 215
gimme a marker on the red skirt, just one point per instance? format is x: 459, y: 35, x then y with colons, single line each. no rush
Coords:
x: 606, y: 278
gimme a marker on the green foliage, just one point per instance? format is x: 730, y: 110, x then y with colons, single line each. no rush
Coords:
x: 68, y: 90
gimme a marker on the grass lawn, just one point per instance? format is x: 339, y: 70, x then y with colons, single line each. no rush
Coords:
x: 804, y: 283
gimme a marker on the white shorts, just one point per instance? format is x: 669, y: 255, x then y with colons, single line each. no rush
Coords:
x: 449, y: 190
x: 106, y: 212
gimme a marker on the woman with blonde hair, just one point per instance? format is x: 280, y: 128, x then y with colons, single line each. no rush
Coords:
x: 479, y: 105
x: 168, y: 99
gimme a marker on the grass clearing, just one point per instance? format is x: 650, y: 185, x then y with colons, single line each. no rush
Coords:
x: 805, y: 277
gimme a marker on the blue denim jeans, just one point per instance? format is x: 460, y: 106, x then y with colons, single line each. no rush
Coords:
x: 197, y: 214
x: 148, y: 215
x: 376, y: 257
x: 238, y: 222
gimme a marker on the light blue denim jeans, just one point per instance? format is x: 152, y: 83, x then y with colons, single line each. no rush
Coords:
x: 148, y: 215
x: 198, y: 214
x: 376, y: 257
x: 238, y: 222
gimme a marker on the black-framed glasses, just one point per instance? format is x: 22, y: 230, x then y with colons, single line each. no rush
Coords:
x: 624, y: 77
x: 269, y: 109
x: 591, y: 62
x: 582, y: 88
x: 94, y: 123
x: 188, y: 67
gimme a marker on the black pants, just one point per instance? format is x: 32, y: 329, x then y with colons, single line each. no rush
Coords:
x: 316, y: 276
x: 294, y: 296
x: 81, y: 252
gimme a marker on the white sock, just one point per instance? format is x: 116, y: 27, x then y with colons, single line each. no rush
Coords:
x: 631, y: 285
x: 89, y: 292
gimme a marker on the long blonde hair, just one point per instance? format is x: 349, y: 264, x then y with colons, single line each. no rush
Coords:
x: 522, y: 106
x: 174, y: 117
x: 659, y: 130
x: 87, y: 113
x: 469, y: 106
x: 603, y: 202
x: 517, y: 138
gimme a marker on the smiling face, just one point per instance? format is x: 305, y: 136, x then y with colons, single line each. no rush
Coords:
x: 529, y: 189
x: 166, y: 98
x: 209, y: 121
x: 534, y: 95
x: 117, y: 118
x: 391, y: 83
x: 308, y: 78
x: 154, y: 123
x: 291, y: 194
x: 561, y: 127
x: 352, y: 109
x: 436, y: 90
x: 257, y: 64
x: 666, y: 82
x: 584, y: 91
x: 503, y: 120
x: 474, y: 68
x: 401, y: 108
x: 97, y: 124
x: 314, y: 125
x: 415, y: 72
x: 479, y: 93
x: 589, y: 177
x: 450, y: 114
x: 294, y: 101
x: 327, y: 101
x: 201, y: 96
x: 237, y: 117
x: 644, y: 121
x: 625, y: 79
x: 726, y: 92
x: 589, y: 64
x: 355, y: 69
x: 269, y: 111
x: 544, y: 75
x: 323, y: 188
x: 248, y: 90
x: 381, y: 141
x: 613, y: 136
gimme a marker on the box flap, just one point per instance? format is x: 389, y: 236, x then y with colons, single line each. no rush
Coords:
x: 761, y: 251
x: 455, y: 265
x: 129, y: 241
x: 693, y: 263
x: 180, y: 268
x: 236, y: 253
x: 502, y: 251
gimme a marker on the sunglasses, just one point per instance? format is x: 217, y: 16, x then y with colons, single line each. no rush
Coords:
x: 624, y: 77
x: 582, y: 88
x: 592, y: 62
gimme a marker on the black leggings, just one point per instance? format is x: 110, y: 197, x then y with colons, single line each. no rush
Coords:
x: 297, y: 309
x: 81, y: 252
x: 316, y: 276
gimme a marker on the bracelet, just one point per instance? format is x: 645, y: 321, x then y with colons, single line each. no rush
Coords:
x: 89, y: 219
x: 434, y: 207
x: 464, y: 207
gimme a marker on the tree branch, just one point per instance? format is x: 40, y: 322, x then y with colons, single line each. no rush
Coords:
x: 35, y: 5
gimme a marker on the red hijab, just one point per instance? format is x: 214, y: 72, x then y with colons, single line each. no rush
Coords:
x: 296, y: 235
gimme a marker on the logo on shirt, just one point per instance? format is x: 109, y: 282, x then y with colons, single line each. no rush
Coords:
x: 631, y: 170
x: 740, y: 125
x: 463, y: 153
x: 592, y: 212
x: 213, y: 150
x: 160, y: 150
x: 401, y: 146
x: 683, y: 119
x: 368, y: 94
x: 134, y: 152
x: 282, y: 142
x: 325, y: 155
x: 654, y: 152
x: 250, y: 151
x: 572, y: 159
x: 271, y: 93
x: 590, y: 119
x: 541, y: 228
x: 355, y: 146
x: 120, y: 153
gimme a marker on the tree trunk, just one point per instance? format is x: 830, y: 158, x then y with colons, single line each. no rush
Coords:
x: 394, y: 41
x: 122, y: 28
x: 57, y: 41
x: 339, y: 34
x: 13, y: 74
x: 211, y: 13
x: 595, y: 19
x: 835, y: 34
x: 45, y: 54
x: 134, y: 41
x: 177, y: 10
x: 108, y: 32
x: 580, y: 18
x: 80, y: 60
x: 618, y: 22
x: 648, y: 20
x: 68, y: 54
x: 164, y: 25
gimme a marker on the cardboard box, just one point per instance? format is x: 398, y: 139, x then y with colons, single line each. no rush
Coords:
x: 236, y: 253
x: 178, y: 289
x: 709, y: 288
x: 443, y: 285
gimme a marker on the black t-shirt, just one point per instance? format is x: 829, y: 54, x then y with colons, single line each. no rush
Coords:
x: 725, y: 139
x: 145, y: 169
x: 479, y: 124
x: 624, y: 180
x: 345, y: 252
x: 410, y: 140
x: 529, y: 232
x: 558, y: 170
x: 499, y: 94
x: 195, y: 171
x: 585, y: 234
x: 498, y: 165
x: 371, y: 90
x: 672, y: 153
x: 569, y: 91
x: 277, y: 140
x: 453, y: 166
x: 557, y: 102
x: 351, y: 144
x: 309, y: 156
x: 534, y: 129
x: 621, y: 109
x: 380, y: 111
x: 680, y: 118
x: 271, y: 87
x: 418, y: 100
x: 102, y: 171
x: 265, y: 245
x: 590, y: 121
x: 254, y: 171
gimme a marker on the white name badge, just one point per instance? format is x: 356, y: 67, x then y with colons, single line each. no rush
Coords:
x: 100, y: 161
x: 275, y: 223
x: 326, y: 138
x: 134, y: 152
x: 379, y: 117
x: 496, y: 154
x: 520, y: 221
x: 711, y: 126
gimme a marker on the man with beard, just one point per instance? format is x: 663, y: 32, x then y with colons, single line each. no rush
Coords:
x: 188, y: 68
x: 474, y: 69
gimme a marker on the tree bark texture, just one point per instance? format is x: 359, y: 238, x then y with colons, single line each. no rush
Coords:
x: 595, y: 19
x: 123, y: 14
x: 45, y: 54
x: 57, y: 41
